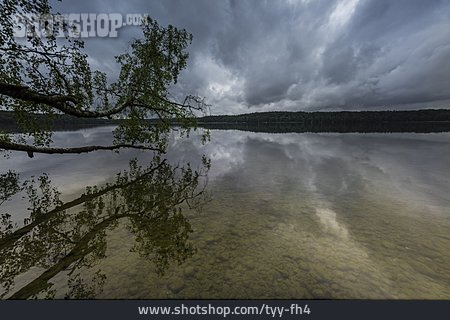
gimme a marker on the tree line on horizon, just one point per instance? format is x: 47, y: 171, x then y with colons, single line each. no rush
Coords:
x: 320, y: 117
x: 431, y: 120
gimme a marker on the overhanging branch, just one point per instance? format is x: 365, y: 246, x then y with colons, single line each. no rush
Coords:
x: 70, y: 104
x: 59, y: 102
x: 30, y: 150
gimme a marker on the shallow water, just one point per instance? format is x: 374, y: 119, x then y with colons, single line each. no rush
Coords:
x: 287, y: 216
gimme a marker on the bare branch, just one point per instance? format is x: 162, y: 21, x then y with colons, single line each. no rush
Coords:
x: 30, y: 150
x: 30, y: 50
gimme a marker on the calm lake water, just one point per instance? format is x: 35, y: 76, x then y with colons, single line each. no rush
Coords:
x: 282, y: 216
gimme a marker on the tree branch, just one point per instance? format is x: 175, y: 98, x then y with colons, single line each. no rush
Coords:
x: 31, y: 50
x: 57, y: 101
x: 61, y: 102
x: 30, y: 150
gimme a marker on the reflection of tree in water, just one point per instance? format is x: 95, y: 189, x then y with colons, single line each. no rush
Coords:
x: 67, y: 237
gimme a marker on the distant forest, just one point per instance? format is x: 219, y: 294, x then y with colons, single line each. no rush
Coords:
x: 333, y: 117
x: 420, y: 121
x: 341, y: 121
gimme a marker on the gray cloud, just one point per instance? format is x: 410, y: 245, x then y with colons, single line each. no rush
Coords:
x: 257, y: 55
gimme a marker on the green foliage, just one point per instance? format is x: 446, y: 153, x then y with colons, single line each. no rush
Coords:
x: 9, y: 185
x: 50, y: 75
x: 42, y: 64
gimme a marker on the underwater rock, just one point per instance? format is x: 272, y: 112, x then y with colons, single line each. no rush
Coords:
x: 221, y: 258
x: 190, y: 271
x: 176, y: 285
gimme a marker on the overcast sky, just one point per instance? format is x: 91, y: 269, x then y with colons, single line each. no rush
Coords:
x: 251, y: 56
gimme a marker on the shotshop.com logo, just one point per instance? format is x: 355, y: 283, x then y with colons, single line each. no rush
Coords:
x: 75, y: 25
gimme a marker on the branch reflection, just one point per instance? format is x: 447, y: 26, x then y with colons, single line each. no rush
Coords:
x: 66, y: 238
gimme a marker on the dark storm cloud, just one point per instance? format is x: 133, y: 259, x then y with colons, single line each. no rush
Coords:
x: 300, y: 54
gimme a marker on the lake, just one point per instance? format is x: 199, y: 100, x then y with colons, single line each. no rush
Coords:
x: 292, y: 215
